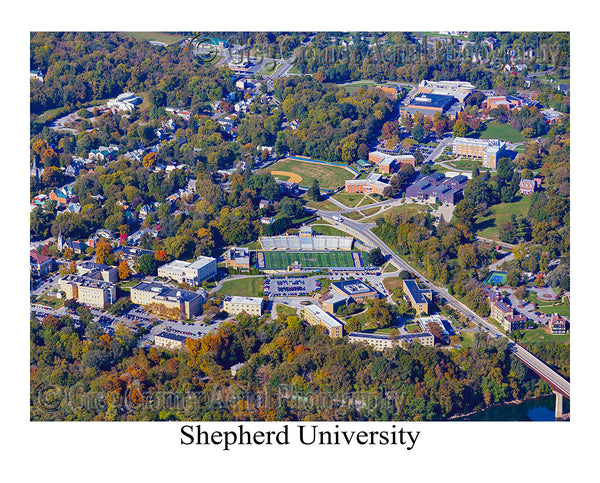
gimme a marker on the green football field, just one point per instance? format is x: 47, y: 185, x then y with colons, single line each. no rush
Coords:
x: 282, y: 260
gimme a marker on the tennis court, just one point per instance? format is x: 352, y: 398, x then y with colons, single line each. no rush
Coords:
x: 277, y: 260
x: 495, y: 278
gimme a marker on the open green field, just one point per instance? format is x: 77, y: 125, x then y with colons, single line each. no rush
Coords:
x: 286, y: 311
x: 542, y: 335
x: 244, y: 287
x: 329, y: 176
x: 504, y: 132
x: 158, y: 37
x: 280, y: 260
x: 324, y: 205
x: 327, y: 230
x: 410, y: 208
x: 487, y: 226
x: 349, y: 199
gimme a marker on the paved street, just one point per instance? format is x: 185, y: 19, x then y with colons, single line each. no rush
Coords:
x: 362, y: 232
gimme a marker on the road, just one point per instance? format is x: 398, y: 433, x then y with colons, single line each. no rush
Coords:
x: 364, y: 234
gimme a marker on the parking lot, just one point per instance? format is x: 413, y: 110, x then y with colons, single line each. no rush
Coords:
x: 291, y: 286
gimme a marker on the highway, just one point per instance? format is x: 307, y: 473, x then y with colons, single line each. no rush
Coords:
x: 365, y: 235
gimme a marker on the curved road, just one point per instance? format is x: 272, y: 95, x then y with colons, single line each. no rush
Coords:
x: 364, y: 234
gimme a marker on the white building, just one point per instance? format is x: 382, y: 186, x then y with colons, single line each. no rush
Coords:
x: 124, y: 102
x: 193, y: 273
x: 234, y: 305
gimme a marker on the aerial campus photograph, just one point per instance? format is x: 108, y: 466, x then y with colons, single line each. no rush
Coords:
x: 299, y: 226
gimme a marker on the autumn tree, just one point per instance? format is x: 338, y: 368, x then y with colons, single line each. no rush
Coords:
x: 161, y: 256
x: 124, y: 270
x: 104, y: 253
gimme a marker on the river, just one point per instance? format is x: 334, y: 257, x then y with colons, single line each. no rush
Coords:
x: 540, y: 409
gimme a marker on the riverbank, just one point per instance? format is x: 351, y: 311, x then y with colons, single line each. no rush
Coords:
x: 540, y: 408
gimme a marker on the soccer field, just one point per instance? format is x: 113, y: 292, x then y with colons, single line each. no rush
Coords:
x: 281, y: 260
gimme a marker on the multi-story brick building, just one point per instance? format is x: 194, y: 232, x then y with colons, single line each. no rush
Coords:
x: 237, y: 257
x: 183, y: 304
x: 501, y: 311
x: 316, y: 316
x: 419, y: 298
x: 88, y: 291
x: 488, y: 150
x: 371, y: 184
x: 385, y: 341
x: 234, y: 305
x: 170, y: 341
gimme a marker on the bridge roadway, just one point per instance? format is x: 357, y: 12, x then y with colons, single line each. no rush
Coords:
x: 364, y: 234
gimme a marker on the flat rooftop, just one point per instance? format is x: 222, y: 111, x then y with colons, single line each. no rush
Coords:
x: 353, y: 287
x: 165, y: 291
x: 323, y: 316
x: 201, y: 262
x: 243, y: 300
x: 432, y: 101
x: 415, y: 292
x: 168, y: 335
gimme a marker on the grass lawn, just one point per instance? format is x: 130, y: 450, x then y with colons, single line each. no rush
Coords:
x: 413, y: 328
x: 285, y: 311
x: 392, y: 283
x: 548, y: 307
x: 487, y: 226
x: 410, y: 208
x: 504, y: 132
x: 328, y: 230
x: 329, y: 176
x: 542, y: 335
x: 371, y: 211
x: 466, y: 338
x: 324, y: 205
x: 389, y: 267
x: 466, y: 164
x: 348, y: 199
x: 350, y: 88
x: 126, y: 285
x: 354, y: 215
x: 158, y: 37
x: 244, y: 287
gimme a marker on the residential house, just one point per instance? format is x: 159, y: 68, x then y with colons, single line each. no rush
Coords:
x: 40, y: 264
x: 527, y: 186
x: 557, y: 325
x: 60, y: 196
